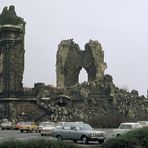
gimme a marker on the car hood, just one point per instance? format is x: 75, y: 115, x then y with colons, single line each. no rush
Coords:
x: 41, y: 126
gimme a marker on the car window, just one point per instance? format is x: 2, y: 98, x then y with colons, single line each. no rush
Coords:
x: 50, y: 124
x: 73, y: 128
x: 66, y: 127
x: 87, y: 127
x: 20, y: 123
x: 128, y: 126
x: 27, y: 123
x: 122, y: 126
x: 81, y: 128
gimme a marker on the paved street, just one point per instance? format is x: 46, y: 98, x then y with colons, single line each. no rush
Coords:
x: 17, y: 135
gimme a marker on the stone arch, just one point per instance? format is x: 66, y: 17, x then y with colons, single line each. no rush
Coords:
x: 83, y: 76
x: 70, y: 60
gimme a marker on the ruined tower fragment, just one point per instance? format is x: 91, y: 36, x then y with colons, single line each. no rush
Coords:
x: 93, y: 61
x: 68, y: 64
x: 70, y: 60
x: 12, y: 30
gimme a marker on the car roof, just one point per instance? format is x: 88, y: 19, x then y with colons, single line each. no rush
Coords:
x: 129, y: 123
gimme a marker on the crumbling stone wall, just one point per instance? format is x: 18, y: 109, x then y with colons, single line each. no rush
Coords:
x: 70, y: 60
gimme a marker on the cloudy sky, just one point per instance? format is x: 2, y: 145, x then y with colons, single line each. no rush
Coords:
x: 121, y: 26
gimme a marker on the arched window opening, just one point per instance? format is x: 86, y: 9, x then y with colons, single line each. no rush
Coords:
x: 83, y: 76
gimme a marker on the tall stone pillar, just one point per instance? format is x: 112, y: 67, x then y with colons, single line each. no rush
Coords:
x: 12, y: 30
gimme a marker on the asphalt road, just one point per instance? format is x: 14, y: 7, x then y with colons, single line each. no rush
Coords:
x: 6, y: 135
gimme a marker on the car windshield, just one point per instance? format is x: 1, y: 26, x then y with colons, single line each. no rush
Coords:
x: 50, y: 124
x: 8, y: 123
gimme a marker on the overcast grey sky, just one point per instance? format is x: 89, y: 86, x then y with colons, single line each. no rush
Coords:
x: 121, y: 26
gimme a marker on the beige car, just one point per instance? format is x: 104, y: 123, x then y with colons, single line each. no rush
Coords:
x: 126, y: 127
x: 29, y: 127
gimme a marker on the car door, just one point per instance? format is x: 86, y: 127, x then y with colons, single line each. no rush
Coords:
x: 73, y: 133
x: 64, y: 132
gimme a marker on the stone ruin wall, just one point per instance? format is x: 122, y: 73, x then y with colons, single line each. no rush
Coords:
x: 71, y: 59
x: 98, y: 99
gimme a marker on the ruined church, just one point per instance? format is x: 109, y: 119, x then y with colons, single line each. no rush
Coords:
x: 96, y: 101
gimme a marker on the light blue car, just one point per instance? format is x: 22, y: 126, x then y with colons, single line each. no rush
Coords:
x: 79, y: 132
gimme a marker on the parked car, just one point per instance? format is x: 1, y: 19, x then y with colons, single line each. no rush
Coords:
x: 79, y: 132
x: 19, y: 125
x: 47, y: 128
x: 125, y: 127
x: 41, y: 125
x: 29, y: 127
x: 143, y: 123
x: 7, y: 125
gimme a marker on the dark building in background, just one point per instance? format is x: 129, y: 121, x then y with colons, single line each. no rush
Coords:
x: 12, y: 30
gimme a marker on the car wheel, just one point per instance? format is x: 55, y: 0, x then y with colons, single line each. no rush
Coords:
x: 21, y: 131
x: 59, y: 138
x: 118, y: 135
x: 84, y: 140
x: 2, y: 129
x: 101, y: 141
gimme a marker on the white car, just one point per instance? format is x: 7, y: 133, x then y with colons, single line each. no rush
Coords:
x: 143, y: 123
x: 47, y: 128
x: 7, y: 125
x: 125, y: 127
x: 41, y: 125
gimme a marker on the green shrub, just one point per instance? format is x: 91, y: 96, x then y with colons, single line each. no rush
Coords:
x: 36, y: 144
x: 133, y: 139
